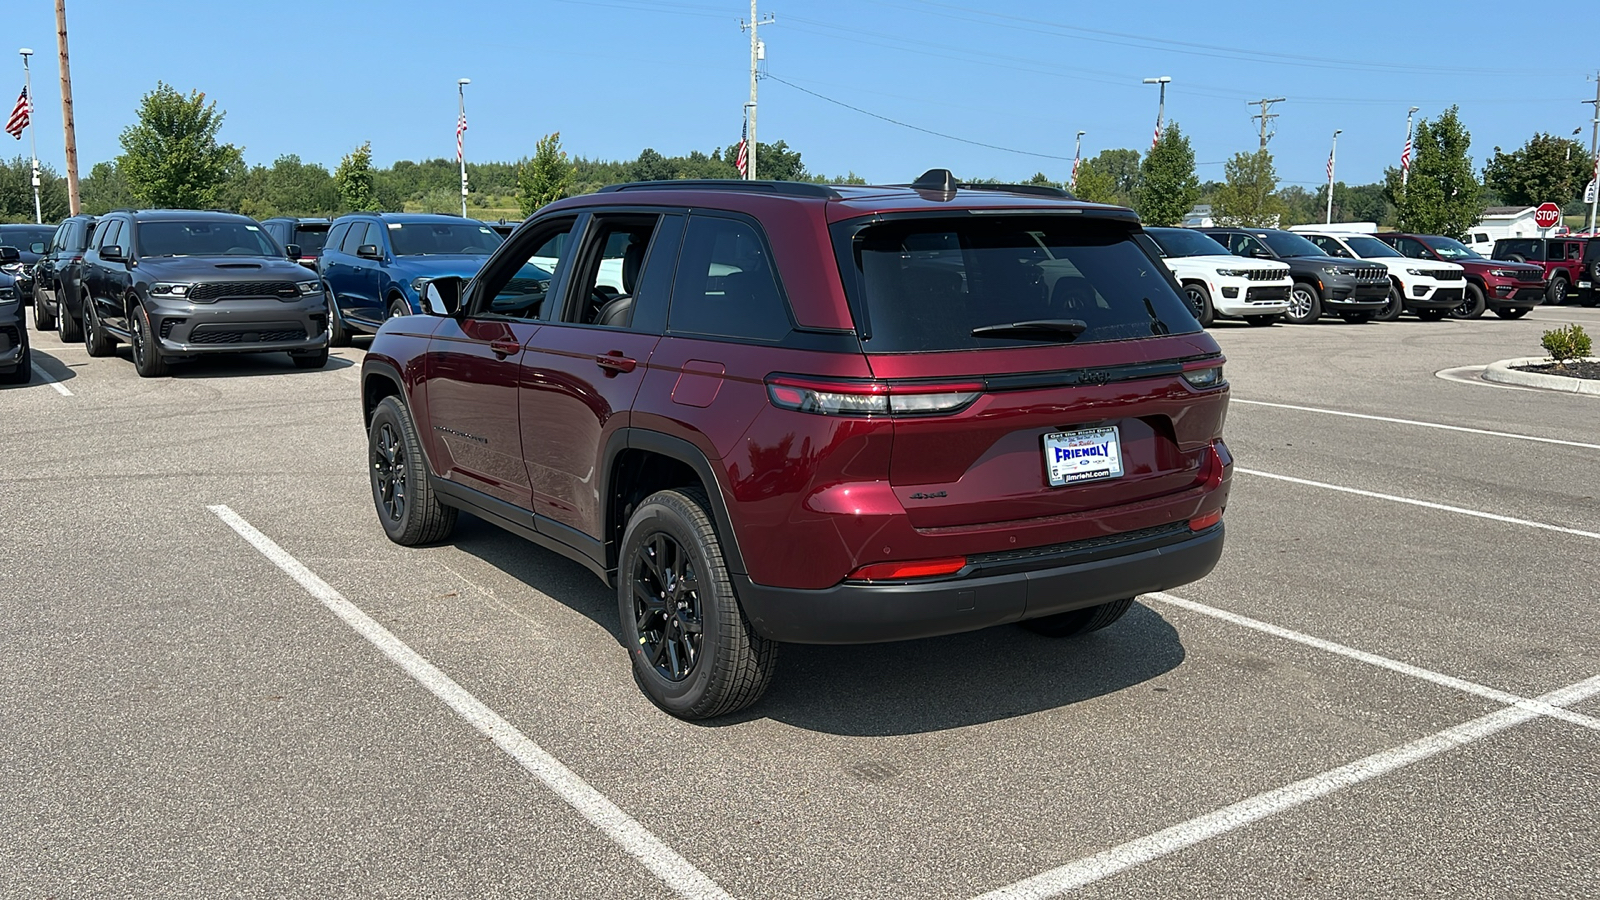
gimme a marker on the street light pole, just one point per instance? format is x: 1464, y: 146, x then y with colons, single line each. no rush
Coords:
x: 1594, y: 140
x: 461, y: 127
x: 1161, y: 107
x: 33, y: 133
x: 1332, y: 152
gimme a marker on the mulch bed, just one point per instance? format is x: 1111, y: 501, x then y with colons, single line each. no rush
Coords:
x: 1571, y: 370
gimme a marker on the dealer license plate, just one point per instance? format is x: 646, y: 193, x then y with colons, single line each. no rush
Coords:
x: 1071, y: 457
x: 1584, y: 284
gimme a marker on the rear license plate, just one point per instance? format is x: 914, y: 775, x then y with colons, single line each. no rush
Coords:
x: 1584, y: 284
x: 1071, y: 457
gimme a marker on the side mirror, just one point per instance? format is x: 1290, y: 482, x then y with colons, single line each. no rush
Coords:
x: 37, y: 247
x: 1260, y: 254
x: 112, y: 253
x: 368, y: 251
x: 292, y: 251
x: 9, y: 254
x: 442, y: 296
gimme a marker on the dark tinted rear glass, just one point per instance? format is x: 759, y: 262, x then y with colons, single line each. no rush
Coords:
x: 310, y: 238
x: 925, y: 284
x: 1527, y: 248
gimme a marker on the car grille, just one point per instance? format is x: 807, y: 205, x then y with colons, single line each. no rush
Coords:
x: 1368, y: 274
x: 1257, y: 295
x: 168, y: 324
x: 1266, y: 274
x: 234, y: 290
x: 1447, y: 276
x: 1530, y: 274
x: 270, y: 333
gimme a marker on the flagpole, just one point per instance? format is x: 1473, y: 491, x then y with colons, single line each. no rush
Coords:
x: 1331, y: 151
x: 461, y: 153
x: 33, y: 133
x: 1077, y: 153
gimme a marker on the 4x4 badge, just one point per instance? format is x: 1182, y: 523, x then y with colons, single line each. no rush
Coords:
x: 1094, y: 377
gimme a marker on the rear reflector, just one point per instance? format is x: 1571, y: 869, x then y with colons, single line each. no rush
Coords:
x: 897, y: 571
x: 1201, y: 523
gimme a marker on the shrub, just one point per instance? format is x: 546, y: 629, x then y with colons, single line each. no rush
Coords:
x: 1568, y: 342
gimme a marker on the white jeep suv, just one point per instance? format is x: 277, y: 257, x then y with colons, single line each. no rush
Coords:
x: 1427, y: 288
x: 1217, y: 283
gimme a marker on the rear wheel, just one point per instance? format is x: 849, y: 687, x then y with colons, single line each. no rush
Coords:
x: 694, y: 653
x: 95, y: 340
x: 68, y: 329
x: 1556, y: 293
x: 1305, y: 306
x: 1515, y: 312
x: 147, y: 358
x: 310, y: 360
x: 44, y: 318
x: 23, y: 373
x: 338, y: 336
x: 1472, y: 303
x: 398, y: 307
x: 1079, y: 621
x: 1395, y: 306
x: 1261, y: 321
x: 407, y: 508
x: 1200, y: 307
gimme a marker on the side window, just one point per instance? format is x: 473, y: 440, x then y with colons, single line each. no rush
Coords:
x: 1330, y: 246
x: 609, y: 279
x: 517, y: 282
x: 110, y: 234
x: 336, y: 235
x: 58, y: 241
x: 1414, y: 249
x: 726, y: 285
x: 355, y: 238
x: 1245, y: 245
x: 83, y: 238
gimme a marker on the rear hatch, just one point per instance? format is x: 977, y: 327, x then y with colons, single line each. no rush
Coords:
x: 1049, y: 365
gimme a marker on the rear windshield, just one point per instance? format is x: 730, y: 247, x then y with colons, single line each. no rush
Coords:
x: 216, y: 238
x: 1531, y: 249
x: 1176, y: 242
x: 427, y: 238
x: 927, y: 284
x: 310, y: 238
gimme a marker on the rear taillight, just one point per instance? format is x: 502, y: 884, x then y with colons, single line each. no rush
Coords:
x: 1201, y: 523
x: 1204, y: 375
x: 77, y: 259
x: 870, y: 398
x: 899, y: 571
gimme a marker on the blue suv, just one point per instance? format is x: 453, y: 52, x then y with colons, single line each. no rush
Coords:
x: 373, y: 263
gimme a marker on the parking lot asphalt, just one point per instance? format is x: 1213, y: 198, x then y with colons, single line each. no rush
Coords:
x: 1369, y: 697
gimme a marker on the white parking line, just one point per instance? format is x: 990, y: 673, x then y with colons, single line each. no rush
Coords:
x: 1426, y: 504
x: 1122, y: 857
x: 622, y: 829
x: 1351, y: 415
x: 1382, y: 662
x: 49, y: 379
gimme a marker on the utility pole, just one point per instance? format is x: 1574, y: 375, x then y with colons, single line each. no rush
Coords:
x: 1265, y: 103
x: 461, y: 128
x: 1161, y: 107
x: 33, y: 132
x: 1332, y: 151
x: 755, y: 59
x: 69, y: 130
x: 1594, y: 140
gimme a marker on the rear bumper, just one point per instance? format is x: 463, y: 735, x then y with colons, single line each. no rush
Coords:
x: 860, y: 613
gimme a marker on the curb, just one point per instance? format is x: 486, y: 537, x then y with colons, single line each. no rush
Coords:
x: 1503, y: 373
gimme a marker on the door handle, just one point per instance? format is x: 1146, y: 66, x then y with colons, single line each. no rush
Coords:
x: 614, y: 362
x: 504, y: 348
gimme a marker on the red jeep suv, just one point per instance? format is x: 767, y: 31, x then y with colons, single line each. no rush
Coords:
x: 785, y: 412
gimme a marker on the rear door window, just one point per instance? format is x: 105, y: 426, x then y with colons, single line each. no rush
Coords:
x: 726, y: 284
x: 944, y: 284
x: 356, y: 237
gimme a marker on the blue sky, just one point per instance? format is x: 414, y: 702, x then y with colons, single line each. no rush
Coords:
x: 615, y: 76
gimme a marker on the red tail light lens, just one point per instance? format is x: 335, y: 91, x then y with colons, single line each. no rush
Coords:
x: 899, y: 571
x: 870, y: 398
x: 1201, y: 523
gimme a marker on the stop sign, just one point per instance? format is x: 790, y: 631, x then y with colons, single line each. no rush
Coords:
x: 1548, y: 215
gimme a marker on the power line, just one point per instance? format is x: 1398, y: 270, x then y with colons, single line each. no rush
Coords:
x: 948, y: 137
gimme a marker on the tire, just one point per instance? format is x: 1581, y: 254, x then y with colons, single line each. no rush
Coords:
x: 338, y: 335
x: 43, y: 319
x: 1396, y: 306
x: 403, y: 497
x: 1305, y: 307
x: 1079, y: 621
x: 1262, y: 321
x: 1431, y: 315
x: 1199, y: 300
x: 398, y: 307
x: 147, y: 358
x: 68, y: 329
x: 1516, y: 257
x: 1515, y: 312
x: 1554, y: 295
x: 1356, y: 318
x: 315, y: 360
x: 1472, y: 303
x: 671, y: 542
x: 95, y: 340
x: 23, y: 373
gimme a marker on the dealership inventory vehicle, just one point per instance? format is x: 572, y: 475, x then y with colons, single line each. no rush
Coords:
x: 307, y: 234
x: 1509, y: 288
x: 1323, y: 285
x: 374, y: 262
x: 788, y: 412
x: 30, y: 241
x: 1216, y: 283
x: 1587, y: 287
x: 16, y: 359
x: 1561, y: 258
x: 180, y: 283
x: 58, y: 279
x: 1427, y: 289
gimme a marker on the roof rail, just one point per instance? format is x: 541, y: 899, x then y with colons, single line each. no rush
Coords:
x: 791, y: 188
x: 944, y: 182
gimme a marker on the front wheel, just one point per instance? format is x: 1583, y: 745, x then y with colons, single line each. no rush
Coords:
x: 95, y: 340
x: 399, y: 307
x: 44, y: 319
x: 1305, y: 306
x: 310, y: 360
x: 147, y: 358
x: 694, y: 653
x: 1079, y: 621
x: 1395, y: 306
x: 1554, y: 295
x: 338, y: 335
x: 1515, y: 312
x: 407, y: 508
x: 1472, y: 303
x: 1199, y: 303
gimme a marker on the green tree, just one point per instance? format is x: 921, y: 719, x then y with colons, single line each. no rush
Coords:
x: 651, y: 166
x: 776, y: 162
x: 1248, y: 195
x: 546, y: 178
x: 1545, y: 169
x: 354, y: 179
x: 1122, y: 165
x: 1168, y: 187
x: 171, y: 157
x: 104, y: 189
x: 1095, y: 184
x: 16, y: 191
x: 1443, y: 196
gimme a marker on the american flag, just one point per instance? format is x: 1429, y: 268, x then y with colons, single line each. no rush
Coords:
x: 20, y: 114
x: 1074, y: 171
x: 1156, y: 138
x: 741, y: 160
x: 1405, y: 156
x: 461, y: 127
x: 1330, y: 166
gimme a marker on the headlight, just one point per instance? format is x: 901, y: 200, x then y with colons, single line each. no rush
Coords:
x: 1423, y: 273
x: 1347, y: 271
x: 14, y: 269
x: 170, y: 289
x: 1233, y: 273
x: 307, y: 288
x: 1503, y: 273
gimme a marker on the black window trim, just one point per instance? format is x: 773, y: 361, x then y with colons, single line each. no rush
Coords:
x: 772, y: 262
x: 588, y: 250
x: 475, y: 292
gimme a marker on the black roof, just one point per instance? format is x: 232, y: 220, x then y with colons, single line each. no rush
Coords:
x: 187, y: 215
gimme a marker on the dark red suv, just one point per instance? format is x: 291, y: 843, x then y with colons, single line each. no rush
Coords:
x: 772, y: 412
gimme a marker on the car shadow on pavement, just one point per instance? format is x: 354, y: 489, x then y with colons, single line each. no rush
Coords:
x: 57, y: 370
x: 874, y: 690
x: 243, y: 365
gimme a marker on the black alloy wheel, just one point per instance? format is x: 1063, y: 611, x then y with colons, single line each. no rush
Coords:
x: 1472, y: 303
x: 68, y: 329
x: 407, y: 507
x: 147, y: 359
x: 668, y: 622
x: 1554, y: 295
x: 1395, y: 306
x: 44, y: 315
x: 389, y: 472
x: 95, y: 340
x: 1199, y: 300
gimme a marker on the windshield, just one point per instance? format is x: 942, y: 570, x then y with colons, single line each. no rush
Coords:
x: 1371, y: 248
x: 1183, y: 242
x: 1285, y: 244
x: 310, y: 238
x: 219, y: 238
x: 427, y: 238
x: 929, y: 284
x: 1450, y: 248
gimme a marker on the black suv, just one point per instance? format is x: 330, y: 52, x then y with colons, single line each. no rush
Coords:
x: 1587, y: 287
x: 1354, y: 290
x: 179, y: 283
x: 307, y: 234
x: 58, y: 279
x: 29, y: 241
